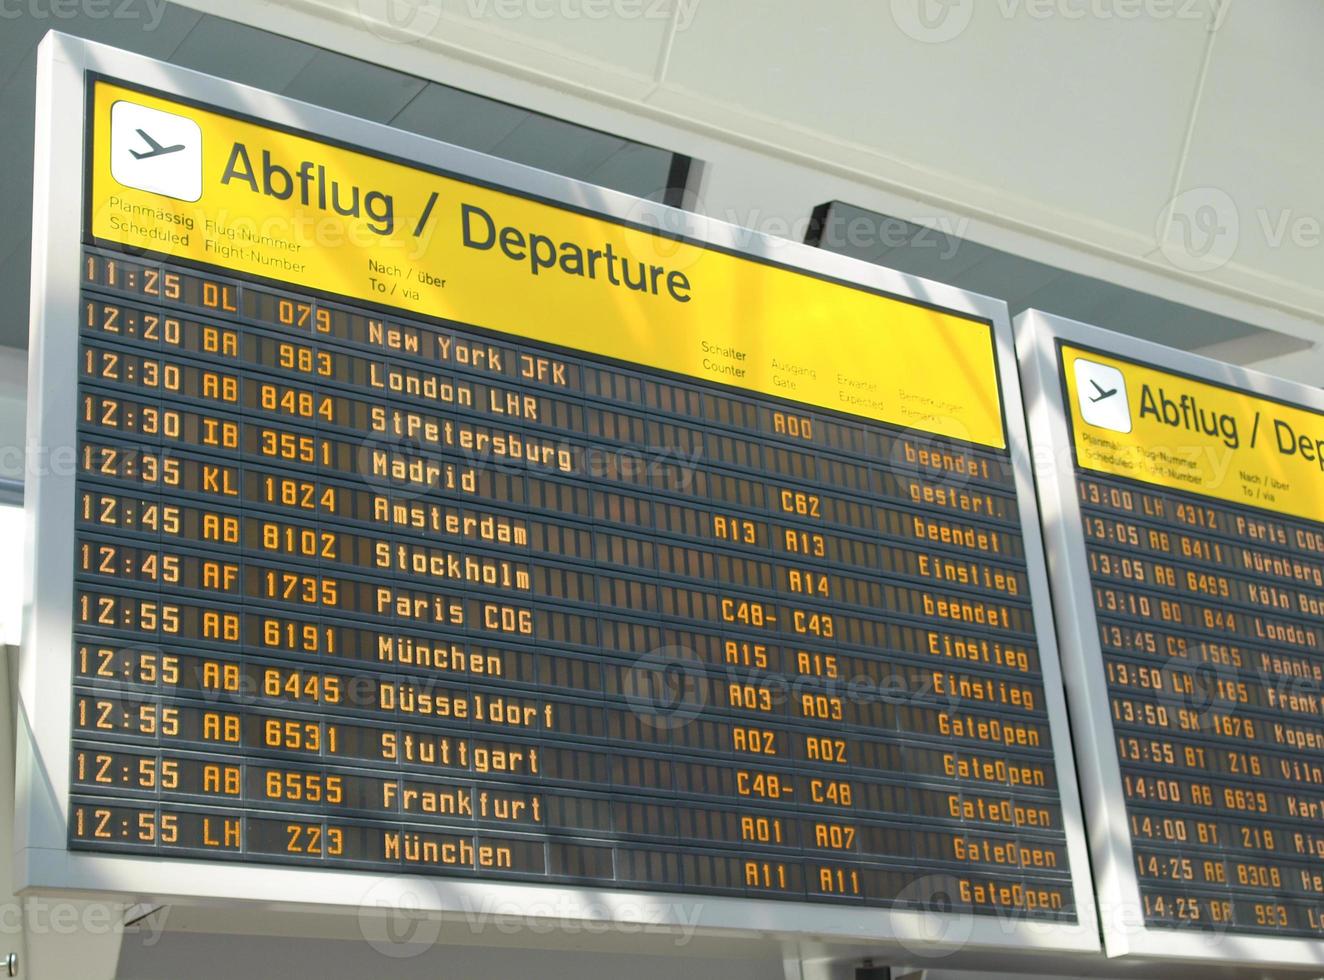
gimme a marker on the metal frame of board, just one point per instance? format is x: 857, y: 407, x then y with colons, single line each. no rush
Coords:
x: 44, y: 864
x: 1115, y: 876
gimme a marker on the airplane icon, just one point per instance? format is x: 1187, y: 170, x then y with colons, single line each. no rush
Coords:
x: 156, y: 148
x: 155, y: 151
x: 1102, y: 394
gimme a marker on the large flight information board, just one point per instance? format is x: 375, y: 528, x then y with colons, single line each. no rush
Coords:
x: 422, y: 526
x: 1199, y: 554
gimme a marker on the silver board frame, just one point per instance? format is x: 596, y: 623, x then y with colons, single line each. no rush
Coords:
x: 1116, y: 881
x: 43, y: 862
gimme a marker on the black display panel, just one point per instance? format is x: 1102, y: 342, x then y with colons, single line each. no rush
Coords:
x: 1210, y: 619
x: 370, y: 591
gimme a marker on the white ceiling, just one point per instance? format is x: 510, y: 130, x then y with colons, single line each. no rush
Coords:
x: 1025, y: 284
x: 1075, y: 130
x: 1077, y: 120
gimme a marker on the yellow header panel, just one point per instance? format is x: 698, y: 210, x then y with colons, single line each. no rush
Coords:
x: 1173, y: 431
x: 205, y: 186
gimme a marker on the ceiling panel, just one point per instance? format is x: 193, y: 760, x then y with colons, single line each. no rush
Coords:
x: 1087, y: 299
x: 231, y: 50
x: 153, y: 29
x: 1083, y: 115
x: 17, y: 97
x: 1259, y: 141
x: 1023, y: 283
x: 623, y: 34
x: 17, y: 42
x: 611, y: 45
x: 542, y: 141
x: 539, y: 141
x: 14, y: 281
x: 634, y: 169
x: 459, y: 117
x: 936, y: 256
x: 17, y: 100
x: 1009, y: 276
x: 353, y: 86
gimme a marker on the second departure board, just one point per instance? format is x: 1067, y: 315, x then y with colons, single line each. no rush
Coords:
x: 1191, y: 538
x: 422, y: 526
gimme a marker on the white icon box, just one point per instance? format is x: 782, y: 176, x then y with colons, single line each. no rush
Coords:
x: 1101, y: 392
x: 155, y: 151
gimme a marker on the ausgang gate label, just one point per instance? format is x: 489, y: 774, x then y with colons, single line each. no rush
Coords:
x: 425, y: 527
x: 1203, y: 518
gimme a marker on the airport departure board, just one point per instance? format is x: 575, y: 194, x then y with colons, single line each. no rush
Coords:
x: 425, y: 527
x: 1199, y: 556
